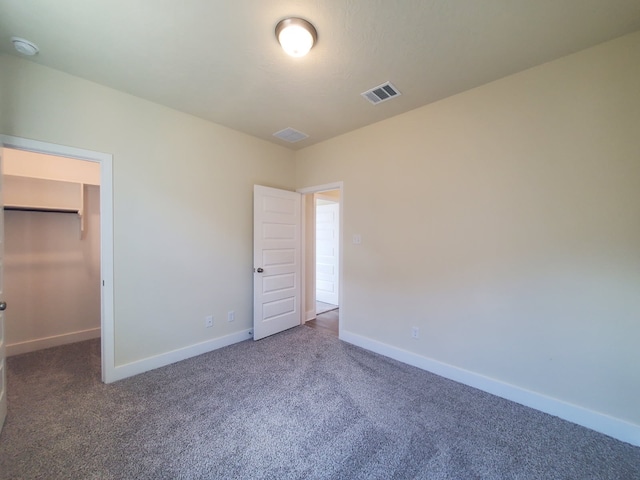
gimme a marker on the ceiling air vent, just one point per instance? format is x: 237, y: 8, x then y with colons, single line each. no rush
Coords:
x: 290, y: 135
x: 381, y: 93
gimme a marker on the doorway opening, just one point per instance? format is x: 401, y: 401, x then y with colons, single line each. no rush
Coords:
x: 322, y: 277
x: 51, y: 250
x: 82, y: 216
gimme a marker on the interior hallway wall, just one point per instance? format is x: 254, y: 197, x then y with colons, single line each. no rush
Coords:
x: 508, y: 232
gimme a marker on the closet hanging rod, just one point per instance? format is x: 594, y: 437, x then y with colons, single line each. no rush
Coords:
x: 39, y: 209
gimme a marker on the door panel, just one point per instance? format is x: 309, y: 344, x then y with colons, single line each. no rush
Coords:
x: 327, y: 244
x: 277, y: 260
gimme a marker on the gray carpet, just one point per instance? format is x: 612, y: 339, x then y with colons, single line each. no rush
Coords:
x: 298, y: 405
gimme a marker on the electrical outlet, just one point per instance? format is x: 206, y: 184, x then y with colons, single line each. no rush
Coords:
x: 231, y: 316
x: 415, y: 332
x: 208, y: 321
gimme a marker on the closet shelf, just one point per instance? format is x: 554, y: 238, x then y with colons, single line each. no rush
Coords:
x: 30, y: 194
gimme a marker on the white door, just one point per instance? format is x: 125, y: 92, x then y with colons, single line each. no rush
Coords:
x: 3, y: 305
x: 276, y: 260
x: 327, y: 244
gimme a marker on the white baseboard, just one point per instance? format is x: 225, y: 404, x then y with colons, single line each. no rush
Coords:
x: 53, y: 341
x: 151, y: 363
x: 614, y: 427
x: 310, y: 315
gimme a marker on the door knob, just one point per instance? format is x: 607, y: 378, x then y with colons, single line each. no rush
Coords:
x: 260, y: 270
x: 3, y: 306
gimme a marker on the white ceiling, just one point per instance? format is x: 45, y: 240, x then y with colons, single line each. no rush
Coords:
x: 220, y: 60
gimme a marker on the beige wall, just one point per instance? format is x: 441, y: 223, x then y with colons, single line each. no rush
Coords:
x: 182, y: 202
x: 509, y: 230
x: 329, y: 195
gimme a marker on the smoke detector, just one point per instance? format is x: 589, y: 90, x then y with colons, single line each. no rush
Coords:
x: 25, y: 47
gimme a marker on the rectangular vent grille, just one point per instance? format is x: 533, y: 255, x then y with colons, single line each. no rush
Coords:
x: 381, y: 93
x: 290, y: 135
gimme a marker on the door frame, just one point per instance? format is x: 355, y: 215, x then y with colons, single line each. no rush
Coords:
x: 306, y: 253
x: 107, y: 322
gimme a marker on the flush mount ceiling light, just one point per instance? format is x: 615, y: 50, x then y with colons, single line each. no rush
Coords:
x: 296, y: 36
x: 25, y: 47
